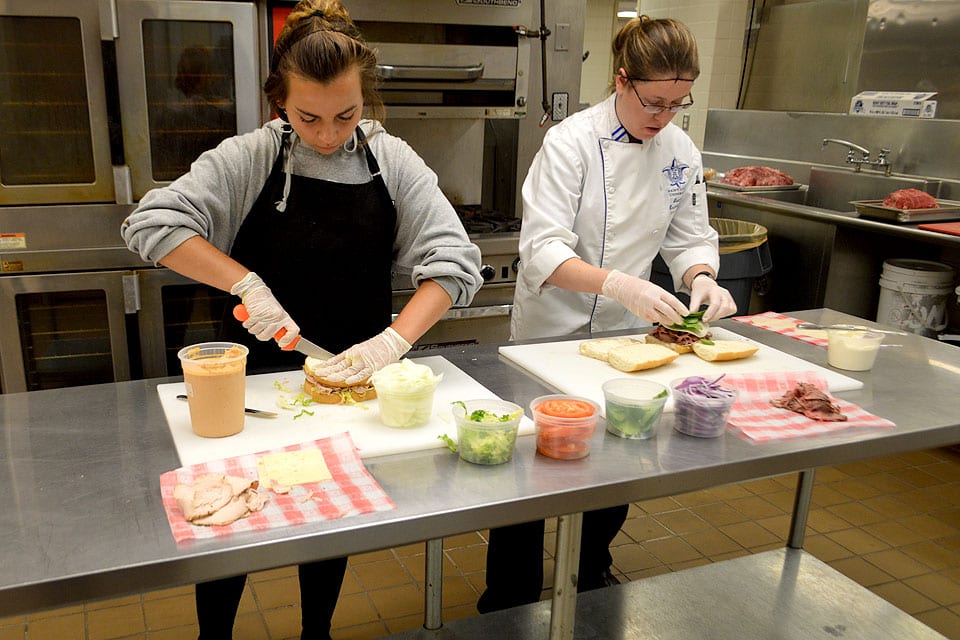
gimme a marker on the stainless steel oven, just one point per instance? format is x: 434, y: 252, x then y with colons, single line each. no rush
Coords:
x: 188, y: 78
x: 54, y: 134
x: 100, y: 101
x: 106, y: 99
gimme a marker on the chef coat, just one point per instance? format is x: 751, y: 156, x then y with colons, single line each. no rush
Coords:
x: 592, y: 193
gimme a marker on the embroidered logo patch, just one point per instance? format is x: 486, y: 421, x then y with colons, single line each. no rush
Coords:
x: 674, y: 173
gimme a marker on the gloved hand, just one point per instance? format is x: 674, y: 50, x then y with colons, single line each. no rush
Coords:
x: 643, y: 298
x: 267, y: 317
x: 358, y: 363
x: 706, y: 291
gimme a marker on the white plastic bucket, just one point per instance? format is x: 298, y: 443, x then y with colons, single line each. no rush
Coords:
x: 913, y: 295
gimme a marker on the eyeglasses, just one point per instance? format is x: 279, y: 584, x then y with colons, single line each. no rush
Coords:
x: 660, y: 108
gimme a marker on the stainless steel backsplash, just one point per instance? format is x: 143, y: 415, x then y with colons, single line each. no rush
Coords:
x: 816, y: 55
x: 917, y: 147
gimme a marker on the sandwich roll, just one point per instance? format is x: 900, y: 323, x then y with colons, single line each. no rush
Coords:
x: 720, y: 350
x: 640, y: 356
x: 600, y: 348
x: 674, y: 346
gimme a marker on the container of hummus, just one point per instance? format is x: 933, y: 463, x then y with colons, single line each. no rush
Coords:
x: 853, y: 350
x: 214, y: 374
x: 405, y: 393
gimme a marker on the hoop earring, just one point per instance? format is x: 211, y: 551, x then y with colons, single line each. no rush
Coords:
x: 352, y: 139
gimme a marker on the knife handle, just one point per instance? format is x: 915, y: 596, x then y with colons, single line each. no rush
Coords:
x: 240, y: 313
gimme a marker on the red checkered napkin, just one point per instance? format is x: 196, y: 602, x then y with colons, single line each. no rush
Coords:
x: 754, y: 417
x: 790, y: 329
x: 350, y: 492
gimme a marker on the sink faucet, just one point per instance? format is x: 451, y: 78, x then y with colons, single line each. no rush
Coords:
x: 882, y: 162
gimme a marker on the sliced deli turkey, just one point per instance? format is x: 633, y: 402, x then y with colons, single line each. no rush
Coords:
x: 218, y: 499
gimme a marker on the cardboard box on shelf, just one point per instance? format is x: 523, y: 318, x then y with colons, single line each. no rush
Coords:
x: 911, y: 104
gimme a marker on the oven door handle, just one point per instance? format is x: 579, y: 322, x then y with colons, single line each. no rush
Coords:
x: 430, y: 72
x: 469, y: 313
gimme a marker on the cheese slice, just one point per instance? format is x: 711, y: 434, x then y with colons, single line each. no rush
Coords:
x: 292, y: 468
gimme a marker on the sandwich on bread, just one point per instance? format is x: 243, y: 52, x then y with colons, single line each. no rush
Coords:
x: 719, y: 350
x: 680, y: 337
x: 326, y: 391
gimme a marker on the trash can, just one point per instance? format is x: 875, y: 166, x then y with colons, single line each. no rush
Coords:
x: 744, y: 257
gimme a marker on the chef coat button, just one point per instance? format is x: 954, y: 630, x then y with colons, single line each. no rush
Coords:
x: 613, y: 190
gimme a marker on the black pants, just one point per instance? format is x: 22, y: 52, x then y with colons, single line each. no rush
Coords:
x: 515, y: 559
x: 320, y: 583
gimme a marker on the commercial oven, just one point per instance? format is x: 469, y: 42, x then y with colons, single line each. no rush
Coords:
x: 54, y: 135
x: 103, y: 100
x: 188, y: 78
x: 77, y: 307
x: 100, y: 101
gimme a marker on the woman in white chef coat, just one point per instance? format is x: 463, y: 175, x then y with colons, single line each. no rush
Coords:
x: 611, y: 187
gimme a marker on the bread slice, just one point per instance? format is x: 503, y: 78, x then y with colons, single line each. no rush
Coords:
x: 600, y: 348
x: 679, y: 348
x: 640, y: 356
x: 724, y: 350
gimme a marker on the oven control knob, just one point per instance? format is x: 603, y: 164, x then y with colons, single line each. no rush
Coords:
x: 516, y: 265
x: 488, y: 272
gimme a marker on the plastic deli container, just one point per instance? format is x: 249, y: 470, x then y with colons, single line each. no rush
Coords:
x: 405, y: 393
x: 701, y: 407
x: 486, y: 430
x: 564, y: 425
x: 634, y: 407
x: 853, y: 350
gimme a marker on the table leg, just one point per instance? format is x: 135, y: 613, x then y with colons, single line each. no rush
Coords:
x: 565, y: 577
x: 433, y: 588
x: 801, y: 507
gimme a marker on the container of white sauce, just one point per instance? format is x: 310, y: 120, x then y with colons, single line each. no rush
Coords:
x: 853, y: 350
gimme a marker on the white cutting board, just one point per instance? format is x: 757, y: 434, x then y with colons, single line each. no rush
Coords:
x: 362, y: 420
x: 562, y: 366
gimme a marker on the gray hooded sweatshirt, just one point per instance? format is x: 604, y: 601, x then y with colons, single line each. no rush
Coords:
x: 214, y: 197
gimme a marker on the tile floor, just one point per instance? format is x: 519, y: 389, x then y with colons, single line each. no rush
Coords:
x: 892, y: 524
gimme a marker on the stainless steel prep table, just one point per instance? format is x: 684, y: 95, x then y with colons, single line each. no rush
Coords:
x: 81, y: 516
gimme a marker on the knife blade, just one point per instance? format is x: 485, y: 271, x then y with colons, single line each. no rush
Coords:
x: 260, y: 413
x: 849, y: 327
x: 299, y: 344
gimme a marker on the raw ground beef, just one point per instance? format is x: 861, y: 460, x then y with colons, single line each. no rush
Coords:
x: 756, y: 177
x: 910, y: 199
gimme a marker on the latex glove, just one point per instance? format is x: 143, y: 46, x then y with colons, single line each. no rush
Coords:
x: 267, y: 317
x: 643, y: 298
x: 719, y: 301
x: 358, y: 363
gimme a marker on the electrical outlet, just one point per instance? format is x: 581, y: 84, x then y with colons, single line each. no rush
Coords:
x: 686, y: 122
x: 560, y: 101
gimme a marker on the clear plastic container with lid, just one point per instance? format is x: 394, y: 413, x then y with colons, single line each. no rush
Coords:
x: 405, y: 392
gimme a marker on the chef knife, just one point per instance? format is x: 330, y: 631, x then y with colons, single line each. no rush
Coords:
x: 299, y: 343
x: 260, y: 413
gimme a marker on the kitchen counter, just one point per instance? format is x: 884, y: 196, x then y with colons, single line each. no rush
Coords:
x: 81, y: 515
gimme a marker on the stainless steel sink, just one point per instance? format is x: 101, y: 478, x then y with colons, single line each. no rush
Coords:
x: 833, y: 189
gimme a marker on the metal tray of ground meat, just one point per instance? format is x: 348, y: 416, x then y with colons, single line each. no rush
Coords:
x: 947, y: 210
x: 772, y: 187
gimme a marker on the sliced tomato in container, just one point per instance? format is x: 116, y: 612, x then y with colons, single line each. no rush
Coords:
x: 566, y: 408
x: 565, y: 425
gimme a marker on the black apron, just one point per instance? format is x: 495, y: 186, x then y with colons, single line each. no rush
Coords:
x: 327, y: 258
